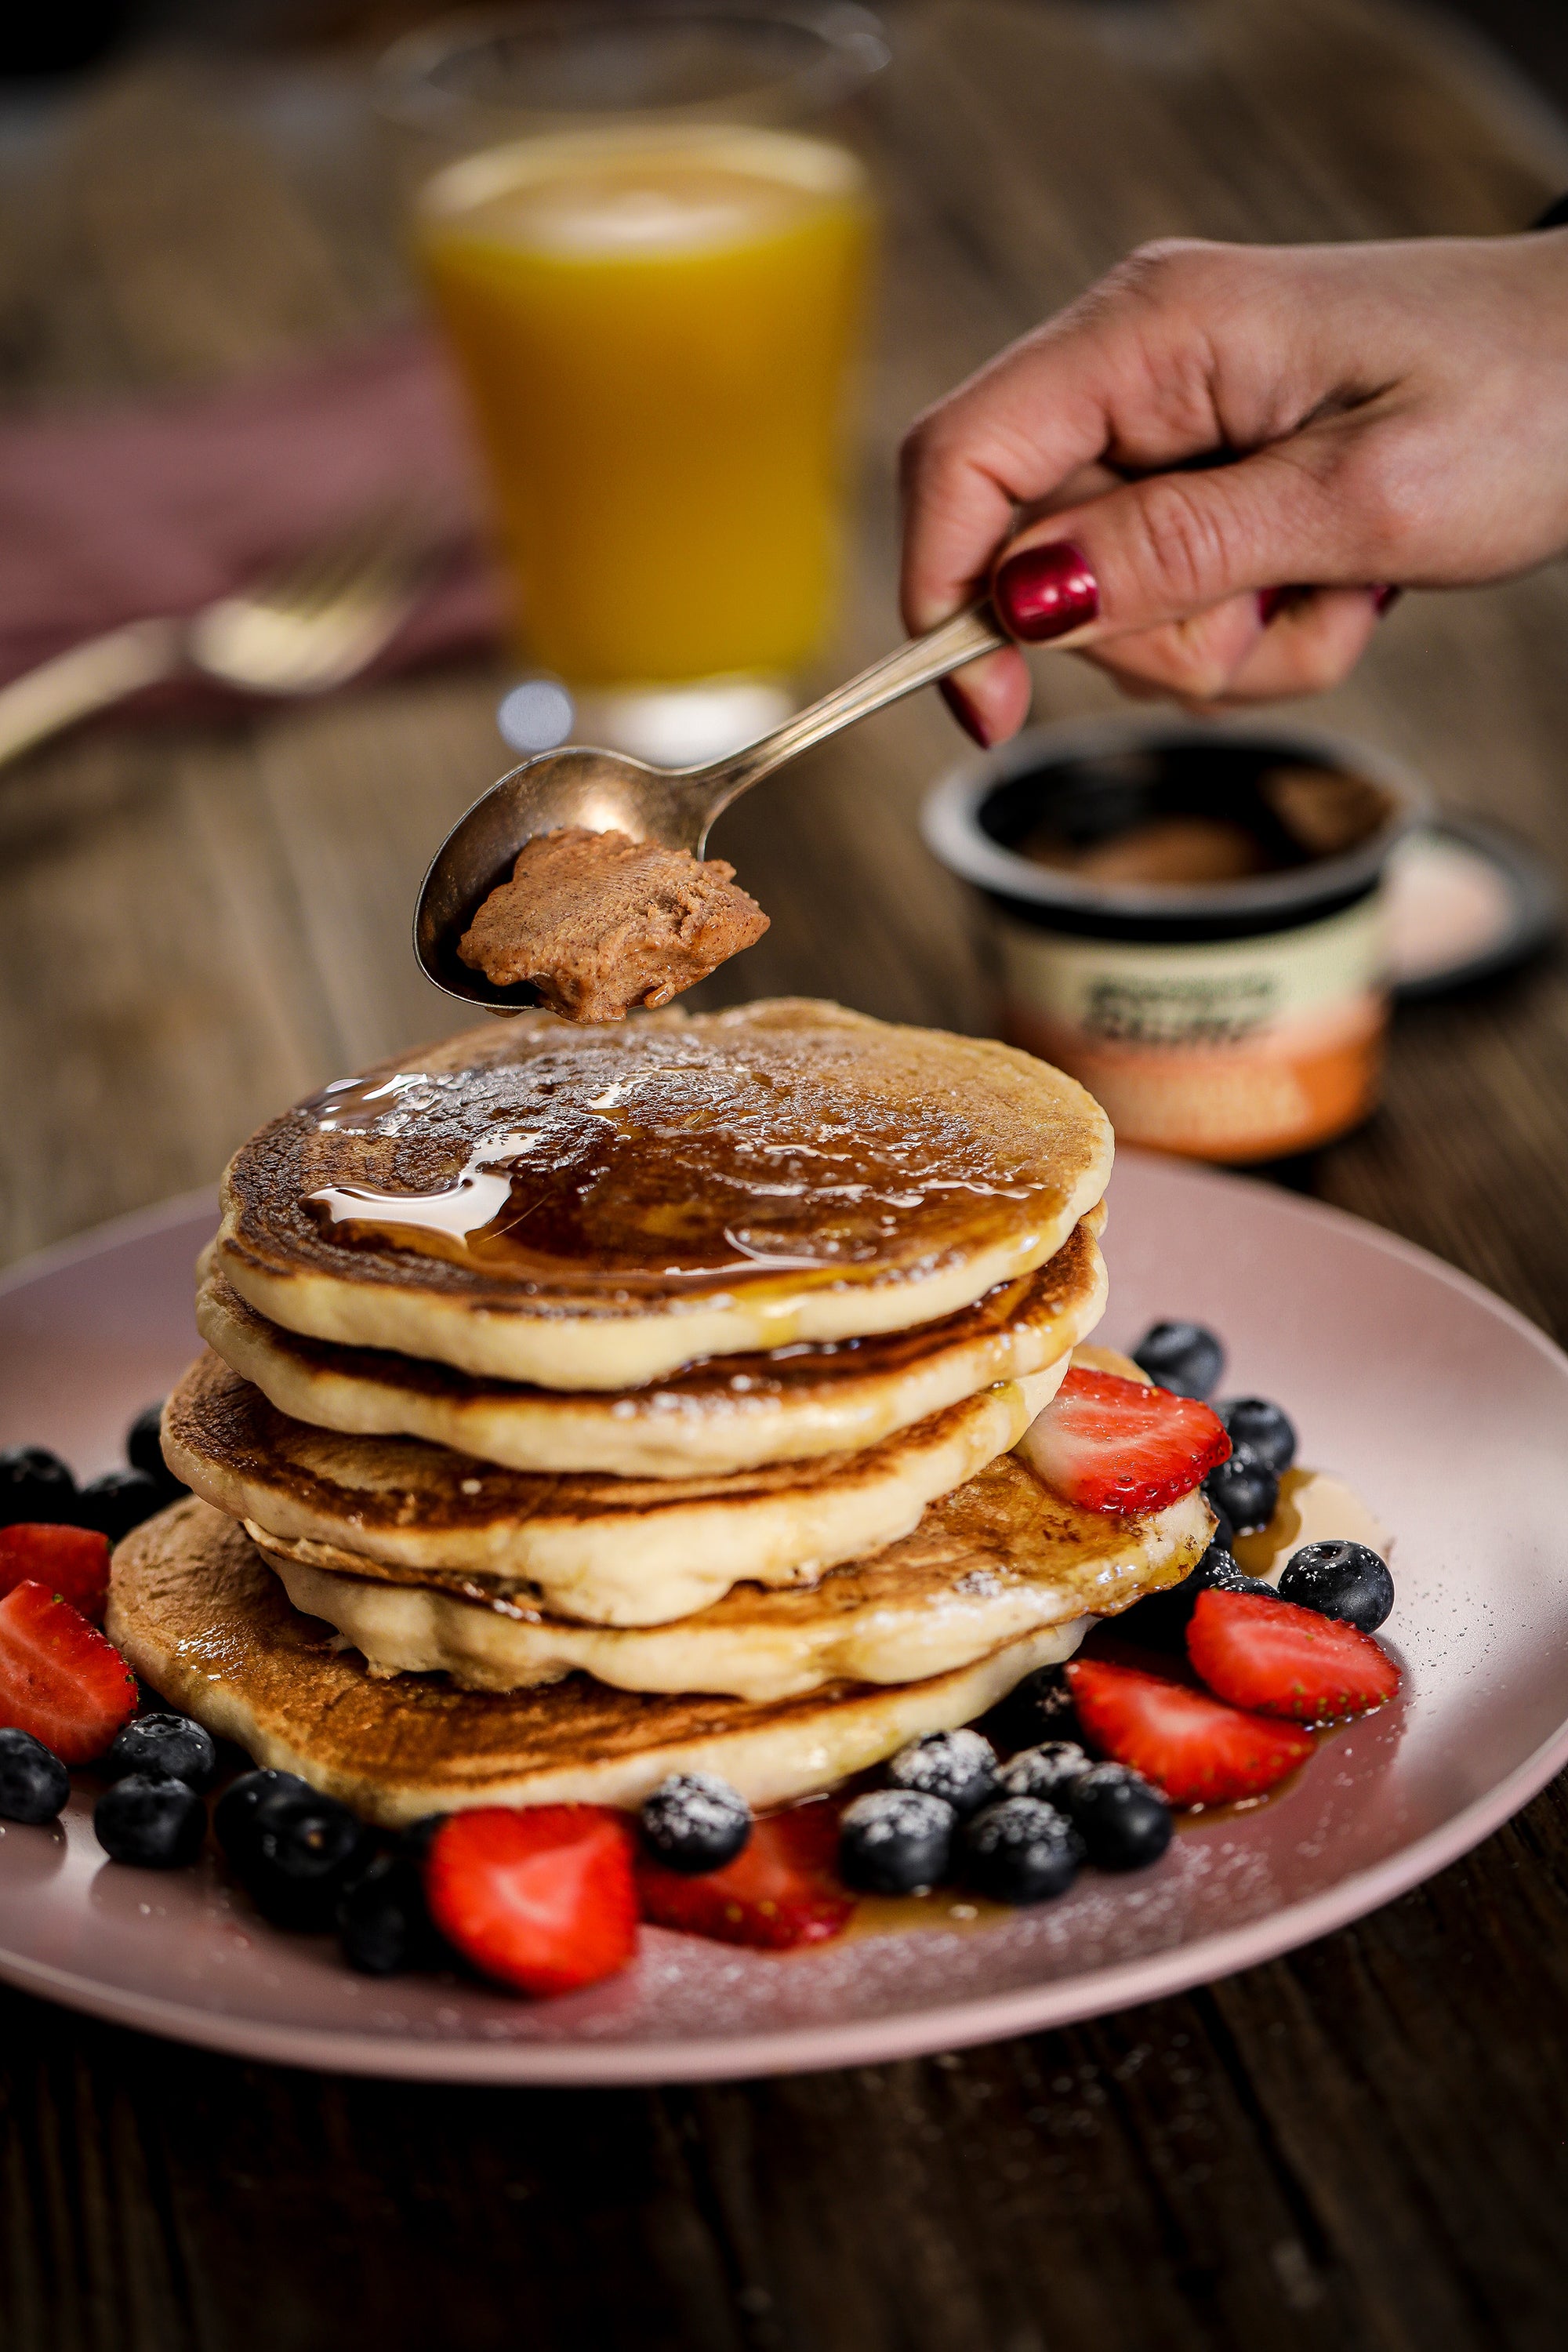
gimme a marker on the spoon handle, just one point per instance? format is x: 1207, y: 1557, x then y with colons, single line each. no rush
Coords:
x: 919, y: 663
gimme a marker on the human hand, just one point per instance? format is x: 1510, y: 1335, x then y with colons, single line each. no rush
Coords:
x: 1342, y: 417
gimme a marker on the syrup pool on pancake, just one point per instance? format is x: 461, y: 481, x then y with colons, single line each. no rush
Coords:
x: 517, y: 1198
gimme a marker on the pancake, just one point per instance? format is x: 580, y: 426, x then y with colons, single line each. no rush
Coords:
x: 1001, y: 1558
x: 595, y: 1209
x: 615, y: 1551
x: 734, y: 1413
x: 200, y: 1616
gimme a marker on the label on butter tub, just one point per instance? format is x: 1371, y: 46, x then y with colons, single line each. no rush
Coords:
x: 1230, y: 1049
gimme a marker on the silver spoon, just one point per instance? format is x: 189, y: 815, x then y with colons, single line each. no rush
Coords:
x: 608, y: 790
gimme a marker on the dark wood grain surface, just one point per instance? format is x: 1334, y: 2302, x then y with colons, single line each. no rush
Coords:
x: 1361, y: 2145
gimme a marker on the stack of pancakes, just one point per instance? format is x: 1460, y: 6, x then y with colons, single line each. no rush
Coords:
x: 581, y: 1407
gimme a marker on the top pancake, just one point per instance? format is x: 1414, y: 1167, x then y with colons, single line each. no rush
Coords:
x: 594, y: 1210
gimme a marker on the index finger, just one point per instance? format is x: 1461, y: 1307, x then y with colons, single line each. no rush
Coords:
x: 999, y: 442
x: 1126, y: 375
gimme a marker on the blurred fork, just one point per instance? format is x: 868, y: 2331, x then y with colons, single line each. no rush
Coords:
x: 300, y: 629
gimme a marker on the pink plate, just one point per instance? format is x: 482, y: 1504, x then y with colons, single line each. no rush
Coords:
x: 1441, y: 1406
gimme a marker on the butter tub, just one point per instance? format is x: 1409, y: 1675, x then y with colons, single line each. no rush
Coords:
x: 1191, y: 918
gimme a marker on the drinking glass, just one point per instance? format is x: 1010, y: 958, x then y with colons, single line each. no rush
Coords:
x: 649, y: 255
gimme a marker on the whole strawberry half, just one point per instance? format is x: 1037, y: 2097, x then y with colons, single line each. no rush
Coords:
x: 1197, y: 1750
x: 1113, y: 1444
x: 542, y: 1898
x: 780, y: 1891
x: 71, y: 1561
x: 1281, y: 1660
x: 59, y: 1677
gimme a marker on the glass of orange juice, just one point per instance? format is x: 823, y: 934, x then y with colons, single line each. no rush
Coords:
x: 650, y: 261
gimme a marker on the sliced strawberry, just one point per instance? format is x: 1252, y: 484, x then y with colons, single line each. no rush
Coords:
x: 1111, y: 1444
x: 542, y: 1898
x: 59, y: 1678
x: 1199, y: 1752
x: 71, y: 1561
x: 780, y: 1891
x: 1281, y: 1660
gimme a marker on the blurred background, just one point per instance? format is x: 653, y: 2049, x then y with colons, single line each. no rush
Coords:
x: 250, y: 305
x: 76, y: 36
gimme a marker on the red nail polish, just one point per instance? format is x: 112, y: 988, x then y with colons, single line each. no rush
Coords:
x: 1382, y: 598
x: 965, y: 716
x: 1044, y: 591
x: 1272, y: 601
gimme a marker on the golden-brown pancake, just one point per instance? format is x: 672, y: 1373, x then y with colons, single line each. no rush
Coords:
x: 729, y: 1413
x: 198, y: 1614
x: 1000, y: 1557
x: 595, y: 1209
x: 618, y: 1551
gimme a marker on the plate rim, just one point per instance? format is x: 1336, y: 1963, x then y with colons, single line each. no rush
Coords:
x: 911, y: 2033
x: 863, y: 2040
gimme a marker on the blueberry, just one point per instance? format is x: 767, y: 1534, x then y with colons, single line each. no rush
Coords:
x: 382, y: 1923
x: 156, y: 1823
x: 145, y: 1451
x: 1340, y: 1579
x: 1047, y: 1771
x: 1160, y: 1620
x: 1039, y: 1707
x: 1021, y: 1851
x: 170, y: 1743
x: 1123, y: 1822
x: 694, y: 1823
x: 37, y: 1486
x: 1262, y: 1429
x: 893, y: 1841
x: 1217, y: 1573
x: 1223, y: 1533
x: 1244, y: 1490
x: 234, y: 1815
x: 119, y: 1501
x: 959, y: 1766
x: 33, y: 1783
x: 1181, y: 1357
x: 304, y: 1848
x: 417, y: 1838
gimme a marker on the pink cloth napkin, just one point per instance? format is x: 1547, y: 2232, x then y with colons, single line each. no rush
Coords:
x: 122, y: 514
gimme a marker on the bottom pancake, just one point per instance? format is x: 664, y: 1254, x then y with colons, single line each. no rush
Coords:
x: 199, y: 1615
x: 1000, y: 1557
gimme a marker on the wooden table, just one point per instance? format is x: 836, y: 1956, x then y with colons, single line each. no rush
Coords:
x: 1361, y: 2144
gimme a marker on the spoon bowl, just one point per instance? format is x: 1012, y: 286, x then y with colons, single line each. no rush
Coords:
x: 605, y: 791
x: 608, y: 791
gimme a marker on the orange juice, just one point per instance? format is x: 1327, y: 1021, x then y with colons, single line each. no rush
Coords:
x: 655, y: 330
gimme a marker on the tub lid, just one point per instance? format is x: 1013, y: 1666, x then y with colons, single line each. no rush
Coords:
x: 1465, y: 899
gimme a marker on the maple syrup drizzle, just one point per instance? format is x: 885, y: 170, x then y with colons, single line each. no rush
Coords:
x: 674, y: 1173
x: 358, y: 1105
x: 478, y: 1198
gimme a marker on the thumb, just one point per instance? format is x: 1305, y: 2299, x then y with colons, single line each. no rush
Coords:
x: 1172, y: 546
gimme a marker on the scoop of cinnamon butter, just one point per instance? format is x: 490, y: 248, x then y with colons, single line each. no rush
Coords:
x: 596, y: 922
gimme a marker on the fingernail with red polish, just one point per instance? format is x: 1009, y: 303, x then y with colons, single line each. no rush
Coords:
x: 1382, y: 598
x: 1044, y: 591
x: 959, y: 707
